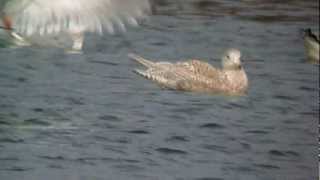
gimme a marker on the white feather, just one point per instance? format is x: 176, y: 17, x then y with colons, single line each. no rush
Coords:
x: 54, y: 16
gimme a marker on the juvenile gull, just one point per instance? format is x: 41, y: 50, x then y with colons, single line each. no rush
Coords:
x: 24, y: 18
x: 311, y: 43
x: 198, y: 76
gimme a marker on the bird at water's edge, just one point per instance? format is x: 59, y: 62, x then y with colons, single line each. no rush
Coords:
x: 198, y: 76
x: 311, y: 43
x: 25, y: 18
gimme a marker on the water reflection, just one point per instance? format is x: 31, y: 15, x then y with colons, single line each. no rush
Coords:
x: 90, y: 117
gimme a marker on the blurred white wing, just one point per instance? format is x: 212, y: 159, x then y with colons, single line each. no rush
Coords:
x: 54, y: 16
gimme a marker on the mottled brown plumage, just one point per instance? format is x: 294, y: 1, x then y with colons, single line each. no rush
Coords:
x: 198, y: 76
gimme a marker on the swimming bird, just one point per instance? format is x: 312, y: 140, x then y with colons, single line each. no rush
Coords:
x: 25, y: 18
x: 311, y: 43
x: 198, y: 76
x: 7, y: 26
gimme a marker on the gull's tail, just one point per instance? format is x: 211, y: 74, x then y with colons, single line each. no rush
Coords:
x: 141, y: 60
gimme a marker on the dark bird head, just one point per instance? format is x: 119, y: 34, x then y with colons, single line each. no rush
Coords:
x: 308, y: 33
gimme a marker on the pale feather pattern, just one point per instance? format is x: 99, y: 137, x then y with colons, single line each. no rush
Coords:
x: 42, y: 17
x: 165, y: 74
x: 201, y: 76
x: 193, y: 75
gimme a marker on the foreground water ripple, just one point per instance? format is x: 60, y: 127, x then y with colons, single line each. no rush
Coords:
x: 89, y: 116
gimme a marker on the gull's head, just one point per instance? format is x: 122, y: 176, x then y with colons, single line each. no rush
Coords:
x: 231, y: 59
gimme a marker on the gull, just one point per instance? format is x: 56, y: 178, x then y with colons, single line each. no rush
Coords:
x: 25, y: 18
x: 198, y: 76
x: 311, y: 43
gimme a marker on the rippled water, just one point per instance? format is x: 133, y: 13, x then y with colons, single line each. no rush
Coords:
x: 89, y: 116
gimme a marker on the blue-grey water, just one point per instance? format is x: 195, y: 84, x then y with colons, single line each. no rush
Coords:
x: 89, y: 117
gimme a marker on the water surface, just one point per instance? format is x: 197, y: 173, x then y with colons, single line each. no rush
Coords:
x: 89, y: 116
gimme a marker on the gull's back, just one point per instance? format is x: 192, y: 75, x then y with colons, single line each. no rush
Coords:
x: 202, y: 77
